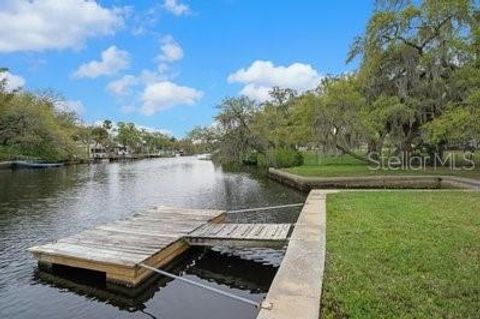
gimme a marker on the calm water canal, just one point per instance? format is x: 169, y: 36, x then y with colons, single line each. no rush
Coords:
x: 39, y: 206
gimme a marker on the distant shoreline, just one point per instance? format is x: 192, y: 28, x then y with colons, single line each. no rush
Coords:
x: 12, y: 164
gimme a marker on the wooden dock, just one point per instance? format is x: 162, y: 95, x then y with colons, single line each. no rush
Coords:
x: 239, y: 234
x: 154, y: 238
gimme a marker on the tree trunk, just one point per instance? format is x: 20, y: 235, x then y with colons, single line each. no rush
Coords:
x: 375, y: 147
x: 356, y: 156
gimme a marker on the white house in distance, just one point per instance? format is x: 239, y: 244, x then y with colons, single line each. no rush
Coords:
x: 99, y: 151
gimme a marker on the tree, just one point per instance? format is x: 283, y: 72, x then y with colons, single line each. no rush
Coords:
x: 100, y: 135
x: 459, y: 122
x: 30, y: 126
x: 205, y: 139
x: 128, y: 135
x: 234, y: 119
x: 273, y: 125
x: 154, y: 141
x: 411, y: 54
x: 251, y: 132
x: 341, y: 117
x: 107, y: 125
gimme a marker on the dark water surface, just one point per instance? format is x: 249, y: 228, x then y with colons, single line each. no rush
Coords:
x: 39, y: 206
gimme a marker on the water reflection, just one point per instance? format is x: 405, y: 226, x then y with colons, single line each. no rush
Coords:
x: 220, y: 269
x: 39, y: 206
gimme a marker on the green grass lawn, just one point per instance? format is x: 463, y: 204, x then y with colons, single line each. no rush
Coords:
x: 402, y: 254
x: 345, y: 165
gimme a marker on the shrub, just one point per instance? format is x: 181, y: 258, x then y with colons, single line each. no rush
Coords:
x: 281, y: 158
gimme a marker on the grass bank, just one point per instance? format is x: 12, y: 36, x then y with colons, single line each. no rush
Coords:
x: 346, y: 166
x: 402, y: 255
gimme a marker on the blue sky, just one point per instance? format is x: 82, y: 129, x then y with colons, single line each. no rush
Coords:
x: 166, y: 64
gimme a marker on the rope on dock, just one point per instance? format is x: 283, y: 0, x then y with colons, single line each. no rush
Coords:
x: 193, y: 283
x: 262, y: 208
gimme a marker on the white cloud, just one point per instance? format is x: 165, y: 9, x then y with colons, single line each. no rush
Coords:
x: 70, y: 106
x: 113, y: 60
x: 155, y: 130
x: 12, y: 81
x: 261, y: 76
x: 171, y: 50
x: 149, y: 77
x: 255, y: 92
x: 153, y: 91
x: 122, y: 86
x: 176, y: 7
x: 39, y: 25
x: 163, y: 95
x: 143, y: 22
x: 127, y: 109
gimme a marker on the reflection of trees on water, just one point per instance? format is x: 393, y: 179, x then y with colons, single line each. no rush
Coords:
x: 234, y: 272
x: 221, y: 269
x: 27, y: 192
x: 26, y: 184
x: 251, y: 188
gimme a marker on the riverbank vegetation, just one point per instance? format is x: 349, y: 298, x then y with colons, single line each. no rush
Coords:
x: 416, y: 93
x: 37, y: 126
x: 402, y: 254
x: 30, y: 127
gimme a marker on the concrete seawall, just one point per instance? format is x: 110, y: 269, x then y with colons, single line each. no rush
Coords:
x: 297, y: 287
x: 374, y: 182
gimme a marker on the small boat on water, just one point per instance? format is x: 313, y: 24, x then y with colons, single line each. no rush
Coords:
x: 29, y: 164
x: 5, y: 164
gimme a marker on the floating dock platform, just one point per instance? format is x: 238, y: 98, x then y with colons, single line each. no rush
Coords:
x: 153, y: 238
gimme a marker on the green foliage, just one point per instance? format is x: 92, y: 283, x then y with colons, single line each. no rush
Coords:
x: 453, y: 125
x: 251, y: 158
x: 269, y: 131
x: 286, y: 157
x: 8, y: 153
x: 419, y: 62
x: 128, y: 135
x: 280, y: 158
x: 141, y: 140
x: 204, y: 139
x: 99, y: 135
x: 274, y: 124
x: 156, y: 141
x: 340, y: 111
x: 107, y: 125
x: 30, y: 126
x: 236, y: 139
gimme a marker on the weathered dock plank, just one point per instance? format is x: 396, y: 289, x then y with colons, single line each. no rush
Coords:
x: 153, y: 237
x: 239, y: 234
